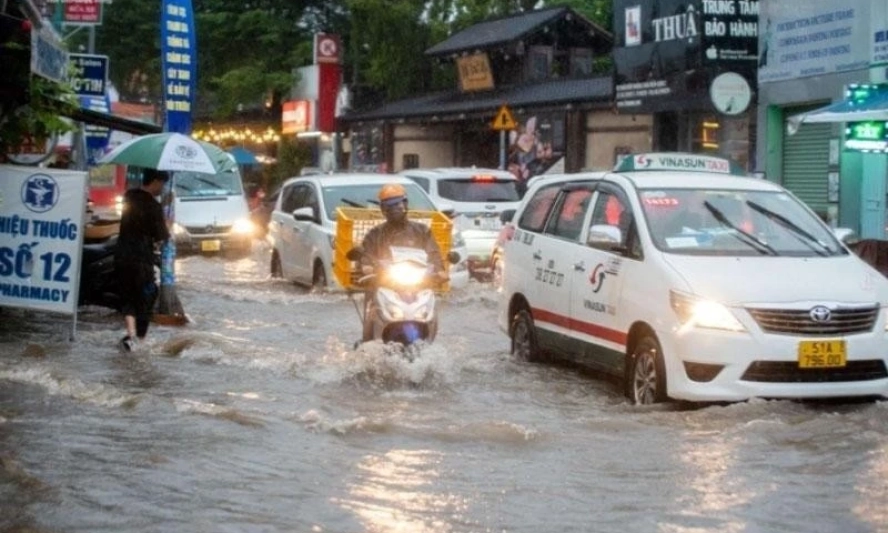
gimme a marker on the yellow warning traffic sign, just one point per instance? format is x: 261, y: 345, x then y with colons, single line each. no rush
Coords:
x: 504, y: 119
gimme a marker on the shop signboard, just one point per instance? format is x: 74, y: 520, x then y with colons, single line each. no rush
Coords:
x: 178, y: 49
x: 82, y: 12
x: 826, y: 37
x: 41, y: 237
x: 667, y: 52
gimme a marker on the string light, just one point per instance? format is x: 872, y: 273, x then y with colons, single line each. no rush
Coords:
x: 237, y: 136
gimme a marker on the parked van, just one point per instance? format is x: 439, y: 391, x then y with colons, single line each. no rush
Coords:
x: 211, y: 213
x: 689, y: 282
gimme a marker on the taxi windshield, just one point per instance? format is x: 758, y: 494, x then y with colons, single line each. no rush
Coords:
x: 734, y: 223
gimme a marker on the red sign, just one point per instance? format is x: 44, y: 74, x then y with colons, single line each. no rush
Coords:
x: 329, y: 79
x: 82, y: 12
x: 296, y: 116
x: 327, y: 48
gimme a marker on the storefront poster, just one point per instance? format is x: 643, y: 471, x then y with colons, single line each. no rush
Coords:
x: 367, y: 150
x: 42, y: 213
x: 537, y: 145
x: 668, y: 51
x: 825, y: 38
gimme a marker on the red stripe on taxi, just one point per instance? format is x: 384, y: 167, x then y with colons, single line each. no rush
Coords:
x: 588, y: 328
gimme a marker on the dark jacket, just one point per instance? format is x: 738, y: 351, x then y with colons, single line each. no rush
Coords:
x: 141, y: 226
x: 379, y: 240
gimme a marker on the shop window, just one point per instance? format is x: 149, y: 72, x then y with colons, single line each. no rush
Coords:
x: 410, y: 161
x: 539, y: 61
x: 580, y: 61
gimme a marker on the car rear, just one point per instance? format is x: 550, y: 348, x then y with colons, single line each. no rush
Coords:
x: 478, y: 199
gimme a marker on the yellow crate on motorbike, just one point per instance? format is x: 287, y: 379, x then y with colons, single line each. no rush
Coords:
x: 352, y: 223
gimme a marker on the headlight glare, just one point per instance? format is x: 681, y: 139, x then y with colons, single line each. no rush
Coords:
x: 696, y: 312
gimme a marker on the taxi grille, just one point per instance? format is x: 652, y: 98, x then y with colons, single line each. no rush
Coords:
x: 789, y: 372
x: 843, y: 321
x: 207, y: 230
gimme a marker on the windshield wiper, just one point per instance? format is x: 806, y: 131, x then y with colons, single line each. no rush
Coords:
x: 740, y: 234
x: 351, y: 203
x: 797, y: 231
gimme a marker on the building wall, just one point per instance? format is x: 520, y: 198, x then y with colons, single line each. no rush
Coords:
x: 433, y: 145
x: 608, y: 135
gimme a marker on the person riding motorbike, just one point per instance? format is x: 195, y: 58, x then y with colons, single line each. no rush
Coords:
x: 398, y: 231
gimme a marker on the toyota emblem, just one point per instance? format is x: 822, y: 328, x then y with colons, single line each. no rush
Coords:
x: 820, y: 313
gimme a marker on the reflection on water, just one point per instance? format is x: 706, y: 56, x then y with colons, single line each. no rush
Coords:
x: 396, y: 492
x: 261, y: 416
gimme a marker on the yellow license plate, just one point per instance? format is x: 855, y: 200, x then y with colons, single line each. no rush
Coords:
x: 822, y: 354
x: 210, y: 246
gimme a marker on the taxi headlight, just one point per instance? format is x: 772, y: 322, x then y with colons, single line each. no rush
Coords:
x: 178, y: 229
x: 696, y: 312
x: 242, y: 226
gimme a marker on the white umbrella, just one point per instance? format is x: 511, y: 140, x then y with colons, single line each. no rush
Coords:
x: 169, y: 151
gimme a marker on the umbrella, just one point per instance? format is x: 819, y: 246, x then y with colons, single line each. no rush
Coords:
x: 243, y: 156
x: 169, y: 151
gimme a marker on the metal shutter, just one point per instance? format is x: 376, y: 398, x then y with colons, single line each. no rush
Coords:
x: 806, y: 161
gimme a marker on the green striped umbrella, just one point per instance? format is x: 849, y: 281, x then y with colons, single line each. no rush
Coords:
x: 172, y: 152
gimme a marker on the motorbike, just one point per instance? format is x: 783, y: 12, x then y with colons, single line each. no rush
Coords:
x: 399, y: 299
x: 98, y: 284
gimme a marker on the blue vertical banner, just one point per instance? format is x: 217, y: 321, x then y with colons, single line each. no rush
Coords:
x: 178, y: 49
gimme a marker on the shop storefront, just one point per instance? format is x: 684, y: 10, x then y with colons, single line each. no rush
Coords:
x: 690, y: 66
x: 811, y: 53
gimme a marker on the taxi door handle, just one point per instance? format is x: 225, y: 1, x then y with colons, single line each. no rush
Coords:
x: 580, y: 267
x: 537, y: 256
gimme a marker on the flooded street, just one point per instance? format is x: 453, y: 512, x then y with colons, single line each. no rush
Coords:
x: 259, y: 416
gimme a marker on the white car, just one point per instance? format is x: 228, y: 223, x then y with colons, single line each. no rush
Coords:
x: 476, y: 197
x: 689, y: 283
x: 302, y: 224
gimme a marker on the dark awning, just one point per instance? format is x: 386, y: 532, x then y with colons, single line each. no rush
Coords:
x: 113, y: 122
x: 582, y: 93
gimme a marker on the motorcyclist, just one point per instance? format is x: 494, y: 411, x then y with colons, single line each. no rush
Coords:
x: 397, y: 230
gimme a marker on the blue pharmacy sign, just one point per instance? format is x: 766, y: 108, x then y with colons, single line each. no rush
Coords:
x: 178, y: 48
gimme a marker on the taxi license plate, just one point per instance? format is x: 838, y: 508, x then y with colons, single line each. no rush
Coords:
x: 822, y: 354
x: 210, y: 246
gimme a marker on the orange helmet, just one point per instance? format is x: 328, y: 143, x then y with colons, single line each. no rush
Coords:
x: 392, y: 192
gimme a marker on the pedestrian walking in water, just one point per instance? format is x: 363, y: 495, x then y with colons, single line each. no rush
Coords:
x: 142, y: 228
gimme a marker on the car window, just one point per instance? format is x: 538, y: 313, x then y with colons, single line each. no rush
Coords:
x: 734, y: 222
x: 536, y: 211
x: 288, y: 199
x: 195, y: 184
x: 613, y: 209
x: 568, y: 220
x: 422, y: 182
x: 364, y: 195
x: 479, y: 190
x: 308, y: 197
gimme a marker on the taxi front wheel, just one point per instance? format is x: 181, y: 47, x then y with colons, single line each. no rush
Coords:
x: 646, y: 379
x: 524, y: 341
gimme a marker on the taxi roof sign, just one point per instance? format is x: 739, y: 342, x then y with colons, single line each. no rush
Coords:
x: 660, y: 161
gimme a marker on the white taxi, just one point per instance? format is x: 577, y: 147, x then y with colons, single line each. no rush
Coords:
x: 691, y: 283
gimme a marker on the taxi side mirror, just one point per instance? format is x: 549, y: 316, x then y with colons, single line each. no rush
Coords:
x: 606, y: 237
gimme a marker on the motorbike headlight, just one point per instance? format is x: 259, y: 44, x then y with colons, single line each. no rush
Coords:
x: 405, y: 274
x: 696, y: 312
x: 242, y: 226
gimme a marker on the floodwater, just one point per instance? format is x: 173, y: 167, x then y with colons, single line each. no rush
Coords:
x: 259, y: 416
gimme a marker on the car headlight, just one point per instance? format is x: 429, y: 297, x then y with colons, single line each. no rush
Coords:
x: 697, y: 312
x: 242, y: 226
x: 178, y: 229
x: 458, y: 241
